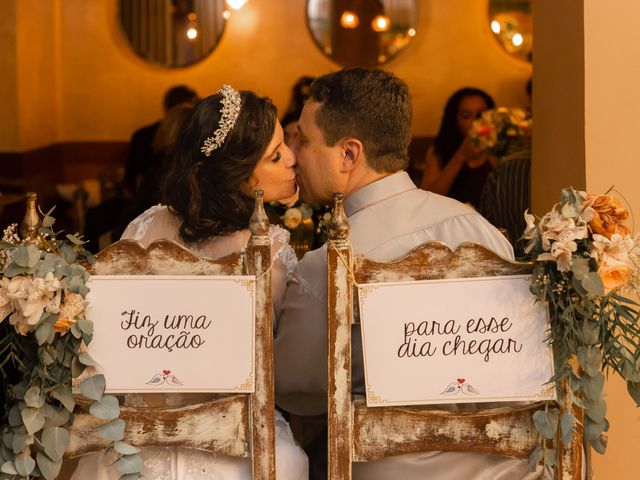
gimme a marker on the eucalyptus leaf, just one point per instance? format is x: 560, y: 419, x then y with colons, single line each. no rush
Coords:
x: 55, y: 417
x: 75, y: 331
x: 68, y: 253
x: 48, y: 264
x: 48, y: 221
x: 634, y: 390
x: 535, y: 458
x: 592, y: 430
x: 130, y: 476
x: 593, y: 284
x: 543, y: 424
x: 34, y: 397
x: 7, y: 438
x: 550, y: 457
x: 596, y: 410
x: 86, y: 359
x: 48, y: 467
x: 580, y: 268
x: 62, y: 393
x: 8, y: 467
x: 21, y: 441
x: 55, y: 441
x: 566, y: 426
x: 14, y: 416
x: 93, y: 387
x: 600, y: 444
x: 113, y: 431
x: 107, y: 408
x: 25, y: 256
x: 86, y: 326
x: 590, y: 332
x: 130, y: 464
x: 124, y: 448
x: 13, y: 270
x: 24, y: 463
x: 77, y: 367
x: 43, y: 332
x: 590, y: 360
x: 33, y: 419
x: 594, y: 386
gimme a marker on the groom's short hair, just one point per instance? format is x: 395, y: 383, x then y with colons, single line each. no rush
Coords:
x: 371, y: 105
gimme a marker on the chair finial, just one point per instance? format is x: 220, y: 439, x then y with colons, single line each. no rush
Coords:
x: 31, y: 222
x: 338, y: 227
x: 259, y: 223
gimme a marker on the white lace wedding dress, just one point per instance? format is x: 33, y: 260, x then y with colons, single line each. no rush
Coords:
x: 167, y: 463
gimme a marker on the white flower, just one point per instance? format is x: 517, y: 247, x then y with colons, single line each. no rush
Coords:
x: 561, y: 253
x: 557, y: 227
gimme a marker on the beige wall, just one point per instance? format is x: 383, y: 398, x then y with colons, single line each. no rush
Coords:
x: 612, y: 100
x: 105, y: 92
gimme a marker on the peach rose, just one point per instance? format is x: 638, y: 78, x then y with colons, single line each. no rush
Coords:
x: 608, y: 215
x: 63, y: 324
x: 614, y: 274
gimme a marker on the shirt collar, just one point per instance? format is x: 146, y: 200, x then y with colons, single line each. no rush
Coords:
x: 378, y: 191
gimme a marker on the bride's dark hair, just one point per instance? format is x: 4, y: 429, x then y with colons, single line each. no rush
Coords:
x: 208, y: 193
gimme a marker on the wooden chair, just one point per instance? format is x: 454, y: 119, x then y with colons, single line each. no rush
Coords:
x: 237, y: 425
x: 361, y: 434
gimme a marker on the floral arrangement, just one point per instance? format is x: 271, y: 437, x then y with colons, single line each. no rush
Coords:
x: 44, y: 334
x: 585, y: 267
x: 306, y: 222
x: 501, y: 132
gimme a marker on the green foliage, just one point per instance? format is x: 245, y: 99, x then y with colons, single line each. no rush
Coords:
x: 42, y: 349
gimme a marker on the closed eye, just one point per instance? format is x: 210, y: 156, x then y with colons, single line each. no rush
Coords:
x: 277, y: 157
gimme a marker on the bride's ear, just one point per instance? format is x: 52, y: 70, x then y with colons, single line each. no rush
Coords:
x: 352, y: 154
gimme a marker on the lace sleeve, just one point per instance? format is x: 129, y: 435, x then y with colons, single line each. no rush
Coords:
x: 281, y: 250
x: 284, y: 263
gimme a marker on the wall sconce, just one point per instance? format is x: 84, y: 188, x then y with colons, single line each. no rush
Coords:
x: 349, y: 19
x: 380, y: 23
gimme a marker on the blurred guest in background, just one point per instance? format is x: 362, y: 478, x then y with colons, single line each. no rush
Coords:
x: 113, y: 213
x: 507, y: 193
x: 454, y: 166
x: 299, y: 95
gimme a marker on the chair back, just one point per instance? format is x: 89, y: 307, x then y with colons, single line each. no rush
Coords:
x: 230, y: 424
x: 360, y: 433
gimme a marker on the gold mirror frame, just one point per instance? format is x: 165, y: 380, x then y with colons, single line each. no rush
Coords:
x: 172, y: 33
x: 364, y: 33
x: 511, y: 22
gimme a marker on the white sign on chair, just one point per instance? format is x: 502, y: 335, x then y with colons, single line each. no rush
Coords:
x: 173, y: 333
x: 454, y: 341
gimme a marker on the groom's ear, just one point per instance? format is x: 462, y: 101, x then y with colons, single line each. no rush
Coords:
x: 352, y: 154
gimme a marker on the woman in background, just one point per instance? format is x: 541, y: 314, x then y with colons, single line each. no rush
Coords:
x: 453, y: 166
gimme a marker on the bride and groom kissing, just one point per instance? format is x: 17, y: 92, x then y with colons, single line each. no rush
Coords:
x: 353, y: 137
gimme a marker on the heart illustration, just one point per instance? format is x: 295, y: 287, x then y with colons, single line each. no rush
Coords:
x: 167, y: 372
x: 461, y: 380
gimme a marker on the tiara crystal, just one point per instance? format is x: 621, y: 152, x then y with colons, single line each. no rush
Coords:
x: 228, y: 116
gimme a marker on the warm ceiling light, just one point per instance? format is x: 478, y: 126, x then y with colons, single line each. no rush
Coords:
x: 412, y: 32
x: 349, y: 19
x: 517, y: 39
x: 226, y: 14
x: 236, y: 4
x: 192, y: 33
x: 495, y: 26
x: 380, y: 23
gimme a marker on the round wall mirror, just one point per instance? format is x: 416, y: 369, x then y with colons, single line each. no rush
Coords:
x: 172, y: 33
x: 512, y: 24
x: 362, y: 32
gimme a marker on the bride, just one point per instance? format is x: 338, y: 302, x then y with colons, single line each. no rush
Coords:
x: 230, y: 145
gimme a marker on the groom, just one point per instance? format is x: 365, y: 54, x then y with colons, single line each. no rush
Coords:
x: 353, y: 137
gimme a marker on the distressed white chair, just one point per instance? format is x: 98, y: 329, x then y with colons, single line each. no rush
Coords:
x: 237, y: 425
x: 361, y: 434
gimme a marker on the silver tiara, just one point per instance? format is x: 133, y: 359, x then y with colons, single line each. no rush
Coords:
x: 228, y: 116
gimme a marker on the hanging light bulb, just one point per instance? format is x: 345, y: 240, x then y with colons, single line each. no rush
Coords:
x: 495, y: 26
x: 349, y: 19
x: 236, y: 4
x: 380, y: 23
x: 517, y: 39
x: 192, y: 27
